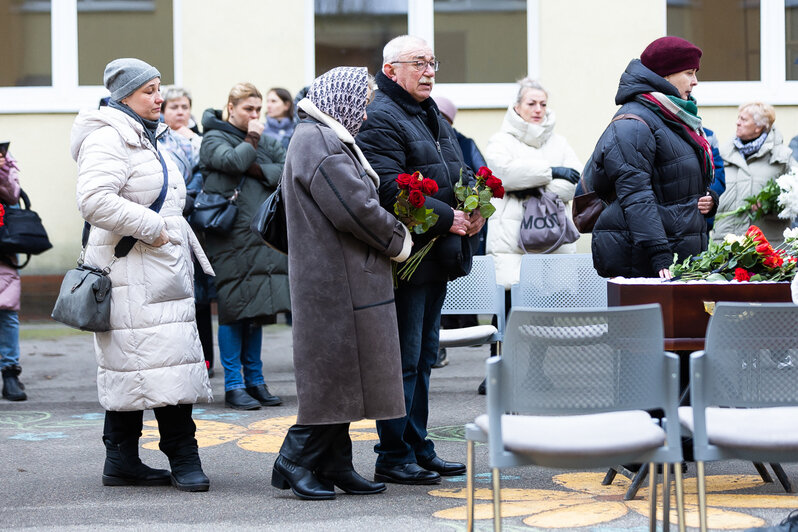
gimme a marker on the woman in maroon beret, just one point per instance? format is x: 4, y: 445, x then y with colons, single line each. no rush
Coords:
x: 653, y: 166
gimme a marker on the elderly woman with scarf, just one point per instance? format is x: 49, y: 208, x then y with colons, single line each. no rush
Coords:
x: 756, y: 155
x: 653, y: 166
x: 346, y: 342
x: 151, y: 358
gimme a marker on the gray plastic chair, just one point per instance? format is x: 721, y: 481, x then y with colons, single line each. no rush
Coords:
x: 744, y: 388
x: 559, y: 280
x: 475, y: 293
x: 571, y: 390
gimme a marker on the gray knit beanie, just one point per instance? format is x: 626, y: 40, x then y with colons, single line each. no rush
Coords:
x: 123, y: 76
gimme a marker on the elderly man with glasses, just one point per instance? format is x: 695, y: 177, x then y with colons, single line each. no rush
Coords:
x: 404, y: 133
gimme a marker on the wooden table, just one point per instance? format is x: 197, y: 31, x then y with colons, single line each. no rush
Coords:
x: 683, y: 311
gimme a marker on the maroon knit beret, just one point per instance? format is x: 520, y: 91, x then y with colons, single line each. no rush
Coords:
x: 668, y: 55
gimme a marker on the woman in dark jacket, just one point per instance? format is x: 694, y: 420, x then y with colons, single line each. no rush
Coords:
x: 251, y: 279
x: 653, y: 168
x: 346, y: 340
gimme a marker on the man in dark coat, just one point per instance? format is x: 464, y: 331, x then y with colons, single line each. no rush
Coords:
x: 405, y: 133
x: 654, y: 168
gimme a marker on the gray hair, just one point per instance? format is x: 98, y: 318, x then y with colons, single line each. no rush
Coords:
x: 763, y: 114
x: 526, y: 84
x: 398, y: 45
x: 173, y: 93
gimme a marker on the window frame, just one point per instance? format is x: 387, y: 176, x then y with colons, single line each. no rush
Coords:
x: 65, y: 95
x: 773, y: 86
x: 420, y: 21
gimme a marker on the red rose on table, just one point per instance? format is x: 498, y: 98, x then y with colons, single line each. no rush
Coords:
x: 756, y: 233
x: 429, y: 187
x: 764, y: 248
x: 484, y: 171
x: 741, y: 274
x: 774, y: 261
x: 416, y: 198
x: 404, y: 180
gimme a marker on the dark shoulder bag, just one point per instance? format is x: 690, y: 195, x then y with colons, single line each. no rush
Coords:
x: 269, y: 222
x: 587, y: 206
x: 84, y: 301
x: 215, y: 213
x: 22, y: 231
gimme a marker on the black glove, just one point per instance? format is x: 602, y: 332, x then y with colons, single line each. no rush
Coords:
x: 562, y: 172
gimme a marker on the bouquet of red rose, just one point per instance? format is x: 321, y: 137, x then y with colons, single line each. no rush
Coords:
x: 741, y: 258
x: 469, y: 198
x: 409, y: 206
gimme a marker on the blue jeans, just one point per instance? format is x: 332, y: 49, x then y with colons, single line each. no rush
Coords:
x: 239, y: 347
x: 9, y: 338
x: 404, y: 440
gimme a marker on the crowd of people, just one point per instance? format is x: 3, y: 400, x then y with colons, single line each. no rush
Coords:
x: 337, y: 149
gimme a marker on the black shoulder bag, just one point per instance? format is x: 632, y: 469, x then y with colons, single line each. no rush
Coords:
x: 22, y: 231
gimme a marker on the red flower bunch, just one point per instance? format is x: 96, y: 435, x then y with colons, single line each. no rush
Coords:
x: 491, y: 181
x: 2, y: 215
x: 478, y: 196
x: 741, y: 274
x: 409, y: 206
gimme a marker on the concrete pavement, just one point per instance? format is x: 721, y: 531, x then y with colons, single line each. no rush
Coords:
x: 51, y: 458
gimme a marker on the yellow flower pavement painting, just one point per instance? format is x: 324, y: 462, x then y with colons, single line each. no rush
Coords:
x: 585, y: 502
x: 262, y: 436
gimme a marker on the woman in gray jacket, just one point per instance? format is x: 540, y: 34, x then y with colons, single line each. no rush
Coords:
x: 346, y: 340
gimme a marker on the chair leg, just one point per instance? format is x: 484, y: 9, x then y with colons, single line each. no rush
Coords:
x: 470, y: 485
x: 763, y: 472
x: 652, y: 488
x: 666, y: 496
x: 782, y: 476
x: 677, y: 473
x: 637, y: 481
x: 702, y: 495
x: 609, y: 477
x: 497, y: 500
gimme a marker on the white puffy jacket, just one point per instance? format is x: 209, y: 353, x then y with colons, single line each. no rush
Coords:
x: 521, y: 154
x: 152, y: 355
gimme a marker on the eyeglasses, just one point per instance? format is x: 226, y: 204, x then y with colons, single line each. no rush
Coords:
x: 421, y: 66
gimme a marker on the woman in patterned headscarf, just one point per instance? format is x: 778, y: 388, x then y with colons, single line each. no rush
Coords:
x: 340, y: 247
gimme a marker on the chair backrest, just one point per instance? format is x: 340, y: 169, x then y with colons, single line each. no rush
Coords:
x: 751, y: 355
x: 559, y: 280
x: 564, y: 361
x: 477, y: 292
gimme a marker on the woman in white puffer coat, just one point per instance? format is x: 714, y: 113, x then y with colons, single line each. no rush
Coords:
x: 151, y: 357
x: 526, y: 154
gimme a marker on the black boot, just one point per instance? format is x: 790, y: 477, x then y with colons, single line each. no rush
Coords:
x: 335, y: 464
x: 179, y: 445
x: 123, y: 466
x: 12, y: 388
x: 303, y: 483
x: 262, y: 395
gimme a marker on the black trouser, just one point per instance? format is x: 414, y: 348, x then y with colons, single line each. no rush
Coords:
x: 175, y: 425
x: 205, y: 329
x: 325, y: 448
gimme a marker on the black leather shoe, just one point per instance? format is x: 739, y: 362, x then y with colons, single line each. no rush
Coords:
x: 262, y: 395
x: 406, y: 474
x: 351, y: 482
x: 239, y: 399
x: 482, y: 388
x: 301, y: 480
x: 442, y: 467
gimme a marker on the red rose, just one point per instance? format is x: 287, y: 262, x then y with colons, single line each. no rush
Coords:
x: 404, y: 181
x: 429, y: 187
x: 764, y: 248
x: 756, y: 233
x: 493, y: 182
x: 484, y: 172
x: 416, y: 198
x: 741, y: 274
x: 498, y: 192
x: 774, y: 261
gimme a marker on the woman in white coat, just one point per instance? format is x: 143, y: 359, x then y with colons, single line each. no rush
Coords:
x: 527, y: 155
x: 151, y: 358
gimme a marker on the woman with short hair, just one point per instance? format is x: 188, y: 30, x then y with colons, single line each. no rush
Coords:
x: 756, y: 155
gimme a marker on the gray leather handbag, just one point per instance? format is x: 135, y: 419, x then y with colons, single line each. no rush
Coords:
x: 84, y: 301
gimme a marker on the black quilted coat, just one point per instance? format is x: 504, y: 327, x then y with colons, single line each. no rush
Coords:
x: 651, y: 178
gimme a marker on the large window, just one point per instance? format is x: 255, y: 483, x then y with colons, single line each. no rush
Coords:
x: 476, y: 70
x: 750, y: 48
x: 55, y: 51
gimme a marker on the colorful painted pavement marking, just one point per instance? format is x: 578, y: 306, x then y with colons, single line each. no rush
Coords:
x: 581, y: 500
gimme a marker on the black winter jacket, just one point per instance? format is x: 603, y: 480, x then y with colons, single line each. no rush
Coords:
x: 402, y: 135
x: 652, y: 180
